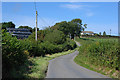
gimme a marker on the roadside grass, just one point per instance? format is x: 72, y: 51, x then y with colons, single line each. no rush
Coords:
x: 84, y: 60
x: 39, y: 65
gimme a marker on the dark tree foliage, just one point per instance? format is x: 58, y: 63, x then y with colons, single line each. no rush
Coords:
x: 74, y: 29
x: 8, y: 25
x: 55, y: 27
x: 70, y: 29
x: 77, y: 21
x: 64, y: 27
x: 13, y: 54
x: 104, y: 33
x: 100, y: 33
x: 85, y: 26
x: 33, y: 30
x: 55, y: 37
x: 40, y: 35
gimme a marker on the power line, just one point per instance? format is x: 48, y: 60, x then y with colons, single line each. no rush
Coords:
x: 43, y: 20
x: 40, y: 17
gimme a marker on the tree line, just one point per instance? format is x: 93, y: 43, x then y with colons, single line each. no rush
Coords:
x: 71, y: 28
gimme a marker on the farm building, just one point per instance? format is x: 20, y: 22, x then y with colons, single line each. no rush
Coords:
x: 20, y: 33
x: 87, y: 33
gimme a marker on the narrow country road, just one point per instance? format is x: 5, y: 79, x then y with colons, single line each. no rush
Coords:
x: 65, y: 67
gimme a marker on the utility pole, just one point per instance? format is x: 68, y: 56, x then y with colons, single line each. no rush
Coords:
x: 36, y: 27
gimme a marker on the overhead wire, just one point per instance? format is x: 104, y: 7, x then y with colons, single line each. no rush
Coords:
x: 41, y: 16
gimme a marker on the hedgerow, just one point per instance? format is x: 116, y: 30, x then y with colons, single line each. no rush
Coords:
x: 13, y: 54
x: 16, y: 52
x: 102, y: 52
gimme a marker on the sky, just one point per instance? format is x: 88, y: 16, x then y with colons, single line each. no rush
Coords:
x: 99, y: 16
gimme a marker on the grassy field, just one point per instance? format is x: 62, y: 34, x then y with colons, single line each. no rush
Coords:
x: 39, y: 65
x: 99, y: 54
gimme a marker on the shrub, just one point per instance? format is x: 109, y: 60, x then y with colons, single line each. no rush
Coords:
x: 55, y: 37
x: 13, y: 54
x: 104, y: 52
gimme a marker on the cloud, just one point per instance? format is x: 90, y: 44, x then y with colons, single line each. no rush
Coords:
x: 72, y: 6
x: 86, y: 9
x: 89, y: 14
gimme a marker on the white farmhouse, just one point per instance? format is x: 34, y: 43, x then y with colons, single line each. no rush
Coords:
x: 87, y: 32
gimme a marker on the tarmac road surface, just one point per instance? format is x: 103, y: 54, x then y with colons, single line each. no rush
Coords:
x: 65, y: 67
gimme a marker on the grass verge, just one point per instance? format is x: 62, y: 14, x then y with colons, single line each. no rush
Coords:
x: 103, y: 70
x: 40, y: 64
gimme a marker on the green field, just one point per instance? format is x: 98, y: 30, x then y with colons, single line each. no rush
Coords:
x: 99, y: 54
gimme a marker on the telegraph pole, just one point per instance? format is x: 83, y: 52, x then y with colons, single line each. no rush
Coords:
x: 36, y: 27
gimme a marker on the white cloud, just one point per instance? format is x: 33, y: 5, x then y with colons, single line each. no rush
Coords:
x: 85, y: 8
x: 72, y: 6
x: 89, y: 14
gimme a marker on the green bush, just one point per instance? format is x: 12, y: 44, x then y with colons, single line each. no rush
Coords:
x: 13, y: 54
x: 16, y: 52
x: 55, y: 37
x: 104, y: 52
x: 50, y: 48
x: 69, y: 44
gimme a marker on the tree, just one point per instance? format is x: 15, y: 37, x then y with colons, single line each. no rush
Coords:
x: 0, y: 25
x: 33, y: 30
x: 104, y: 33
x: 27, y: 27
x: 70, y: 28
x: 62, y: 26
x: 55, y: 27
x: 8, y: 25
x: 55, y: 37
x: 100, y: 33
x: 40, y: 34
x: 85, y: 26
x: 76, y: 26
x: 77, y: 21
